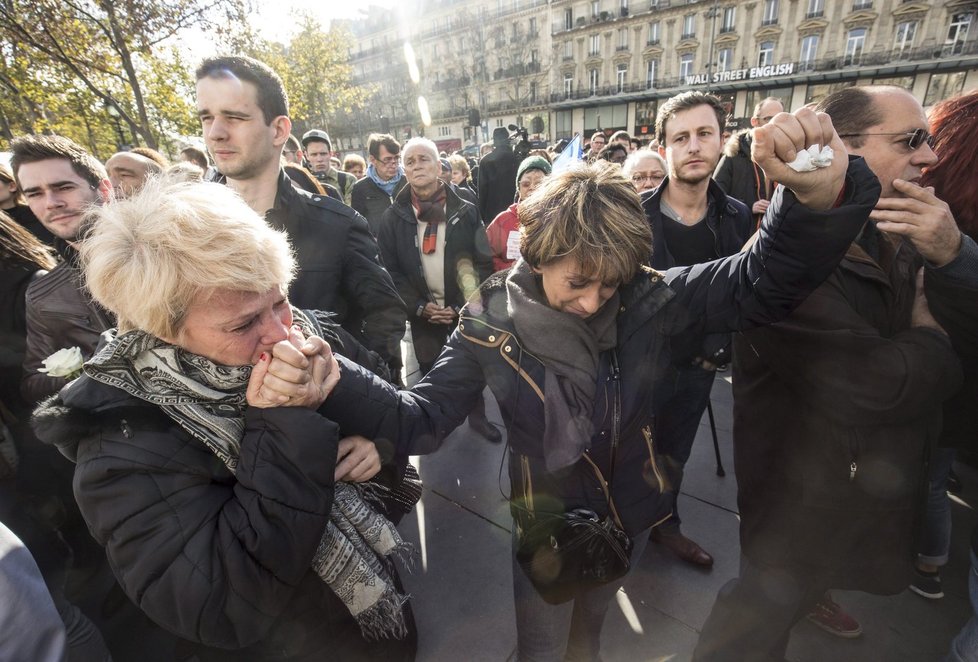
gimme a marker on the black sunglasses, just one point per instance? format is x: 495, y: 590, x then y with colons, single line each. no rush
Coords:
x: 915, y: 138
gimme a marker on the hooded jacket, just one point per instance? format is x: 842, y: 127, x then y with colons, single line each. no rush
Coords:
x: 738, y: 175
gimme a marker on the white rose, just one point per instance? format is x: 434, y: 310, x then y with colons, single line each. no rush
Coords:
x: 63, y: 363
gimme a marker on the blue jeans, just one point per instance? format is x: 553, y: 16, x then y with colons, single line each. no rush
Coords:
x: 935, y: 538
x: 676, y: 423
x: 964, y: 648
x: 570, y: 631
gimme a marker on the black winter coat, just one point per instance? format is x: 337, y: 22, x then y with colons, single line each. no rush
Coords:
x: 738, y: 175
x: 468, y: 260
x: 497, y: 181
x: 835, y: 410
x: 796, y: 250
x: 371, y: 201
x: 339, y: 267
x: 220, y: 559
x: 730, y: 222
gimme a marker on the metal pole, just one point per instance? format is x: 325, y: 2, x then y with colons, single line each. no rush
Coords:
x: 713, y: 31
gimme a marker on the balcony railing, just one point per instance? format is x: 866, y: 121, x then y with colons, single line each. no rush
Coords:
x: 619, y: 49
x: 864, y: 4
x: 769, y: 21
x: 652, y: 42
x: 727, y: 28
x: 865, y: 59
x: 688, y: 35
x: 815, y: 14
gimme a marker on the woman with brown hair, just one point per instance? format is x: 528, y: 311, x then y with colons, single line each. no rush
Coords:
x: 13, y: 203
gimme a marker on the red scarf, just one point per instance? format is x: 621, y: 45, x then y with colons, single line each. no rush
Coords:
x: 432, y: 212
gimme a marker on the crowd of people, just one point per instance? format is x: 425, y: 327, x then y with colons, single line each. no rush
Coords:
x: 207, y: 426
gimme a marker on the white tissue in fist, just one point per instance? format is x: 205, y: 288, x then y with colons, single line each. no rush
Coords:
x: 812, y: 158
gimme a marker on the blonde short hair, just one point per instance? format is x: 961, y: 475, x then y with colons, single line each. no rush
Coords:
x: 459, y: 163
x: 150, y: 257
x: 590, y: 212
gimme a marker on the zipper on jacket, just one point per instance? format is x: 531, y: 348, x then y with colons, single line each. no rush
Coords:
x: 853, y: 456
x: 647, y: 433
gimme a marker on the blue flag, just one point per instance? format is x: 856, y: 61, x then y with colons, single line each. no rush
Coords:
x: 571, y: 155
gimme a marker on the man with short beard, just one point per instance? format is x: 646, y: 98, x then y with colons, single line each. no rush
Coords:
x: 692, y: 221
x: 243, y: 110
x: 60, y: 180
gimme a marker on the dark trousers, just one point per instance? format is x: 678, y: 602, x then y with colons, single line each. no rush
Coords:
x: 753, y: 615
x: 676, y: 424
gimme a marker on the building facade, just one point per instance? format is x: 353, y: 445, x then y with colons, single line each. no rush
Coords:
x: 561, y: 67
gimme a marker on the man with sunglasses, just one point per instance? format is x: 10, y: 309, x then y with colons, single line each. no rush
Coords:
x: 835, y: 407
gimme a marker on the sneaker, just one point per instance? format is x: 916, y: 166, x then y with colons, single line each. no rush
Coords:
x: 828, y: 615
x: 927, y: 584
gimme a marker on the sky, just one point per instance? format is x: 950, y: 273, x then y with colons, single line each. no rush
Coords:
x: 275, y: 21
x: 275, y: 18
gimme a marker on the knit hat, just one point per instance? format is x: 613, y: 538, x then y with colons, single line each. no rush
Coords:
x: 532, y: 163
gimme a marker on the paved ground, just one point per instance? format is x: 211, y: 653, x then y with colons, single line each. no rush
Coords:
x: 462, y: 591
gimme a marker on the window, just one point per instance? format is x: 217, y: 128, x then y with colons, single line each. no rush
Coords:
x: 685, y: 65
x: 651, y: 71
x: 568, y: 50
x: 905, y: 34
x: 533, y: 92
x: 653, y: 33
x: 818, y: 92
x: 855, y: 43
x: 815, y: 8
x: 944, y: 86
x: 593, y: 81
x: 623, y: 6
x: 724, y: 59
x: 765, y: 54
x: 729, y: 19
x: 623, y: 39
x: 568, y: 18
x: 533, y: 26
x: 564, y: 123
x: 862, y: 4
x: 809, y: 51
x: 568, y: 85
x: 621, y: 72
x: 770, y: 12
x: 534, y: 56
x: 595, y: 45
x: 689, y: 26
x: 595, y: 8
x: 957, y: 33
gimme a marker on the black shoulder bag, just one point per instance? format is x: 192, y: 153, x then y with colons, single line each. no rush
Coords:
x: 577, y: 550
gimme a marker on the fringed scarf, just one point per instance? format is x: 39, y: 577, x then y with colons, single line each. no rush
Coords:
x: 431, y: 211
x: 208, y: 401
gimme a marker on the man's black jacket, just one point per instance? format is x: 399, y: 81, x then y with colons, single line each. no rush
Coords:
x: 339, y: 267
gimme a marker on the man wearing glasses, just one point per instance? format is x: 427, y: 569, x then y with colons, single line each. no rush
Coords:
x: 375, y: 192
x: 835, y: 407
x: 737, y: 174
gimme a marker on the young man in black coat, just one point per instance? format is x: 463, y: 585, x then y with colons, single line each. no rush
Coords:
x: 692, y: 221
x: 244, y: 113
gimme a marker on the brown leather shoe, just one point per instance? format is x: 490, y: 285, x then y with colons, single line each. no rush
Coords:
x: 682, y: 547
